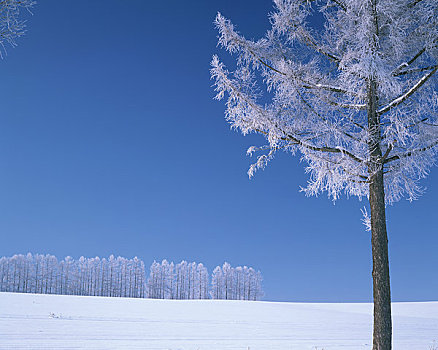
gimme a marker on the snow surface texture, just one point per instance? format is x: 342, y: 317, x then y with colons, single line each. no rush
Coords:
x: 33, y: 321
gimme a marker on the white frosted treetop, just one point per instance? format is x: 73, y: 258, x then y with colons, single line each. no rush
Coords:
x: 305, y: 89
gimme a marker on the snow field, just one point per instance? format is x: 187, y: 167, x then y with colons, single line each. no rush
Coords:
x: 33, y: 321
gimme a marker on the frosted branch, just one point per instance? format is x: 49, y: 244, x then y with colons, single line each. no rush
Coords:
x: 408, y: 94
x: 412, y: 153
x: 415, y: 70
x: 366, y: 219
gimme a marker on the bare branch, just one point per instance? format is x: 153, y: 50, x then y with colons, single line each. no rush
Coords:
x: 415, y: 70
x: 308, y: 85
x: 417, y: 123
x: 267, y: 65
x: 340, y: 4
x: 411, y: 153
x: 397, y: 72
x: 413, y: 3
x: 419, y: 53
x: 388, y: 151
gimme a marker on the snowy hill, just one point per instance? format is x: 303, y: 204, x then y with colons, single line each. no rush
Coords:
x: 32, y: 321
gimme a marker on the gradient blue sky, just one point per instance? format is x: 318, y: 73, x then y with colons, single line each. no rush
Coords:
x: 111, y: 143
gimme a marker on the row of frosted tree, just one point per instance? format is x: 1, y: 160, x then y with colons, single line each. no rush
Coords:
x: 45, y: 274
x: 236, y: 283
x: 181, y: 281
x: 121, y: 277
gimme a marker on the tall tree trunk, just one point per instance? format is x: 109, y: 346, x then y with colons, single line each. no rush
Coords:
x: 382, y: 334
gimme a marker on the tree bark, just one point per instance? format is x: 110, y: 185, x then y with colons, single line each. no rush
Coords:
x: 382, y: 333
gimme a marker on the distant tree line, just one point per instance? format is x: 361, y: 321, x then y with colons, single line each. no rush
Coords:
x: 121, y: 277
x: 181, y: 281
x: 45, y: 274
x: 236, y: 283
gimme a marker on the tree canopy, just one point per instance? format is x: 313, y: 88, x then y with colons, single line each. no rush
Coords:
x: 305, y: 89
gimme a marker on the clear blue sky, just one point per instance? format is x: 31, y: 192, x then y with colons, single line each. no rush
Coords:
x: 111, y: 143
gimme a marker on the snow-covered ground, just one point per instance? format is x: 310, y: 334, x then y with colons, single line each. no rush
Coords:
x: 30, y: 321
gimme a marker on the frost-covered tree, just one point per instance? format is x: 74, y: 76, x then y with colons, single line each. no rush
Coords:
x: 99, y: 277
x: 120, y: 277
x: 356, y: 97
x: 236, y: 283
x: 216, y: 284
x: 11, y: 24
x: 182, y: 281
x: 201, y: 282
